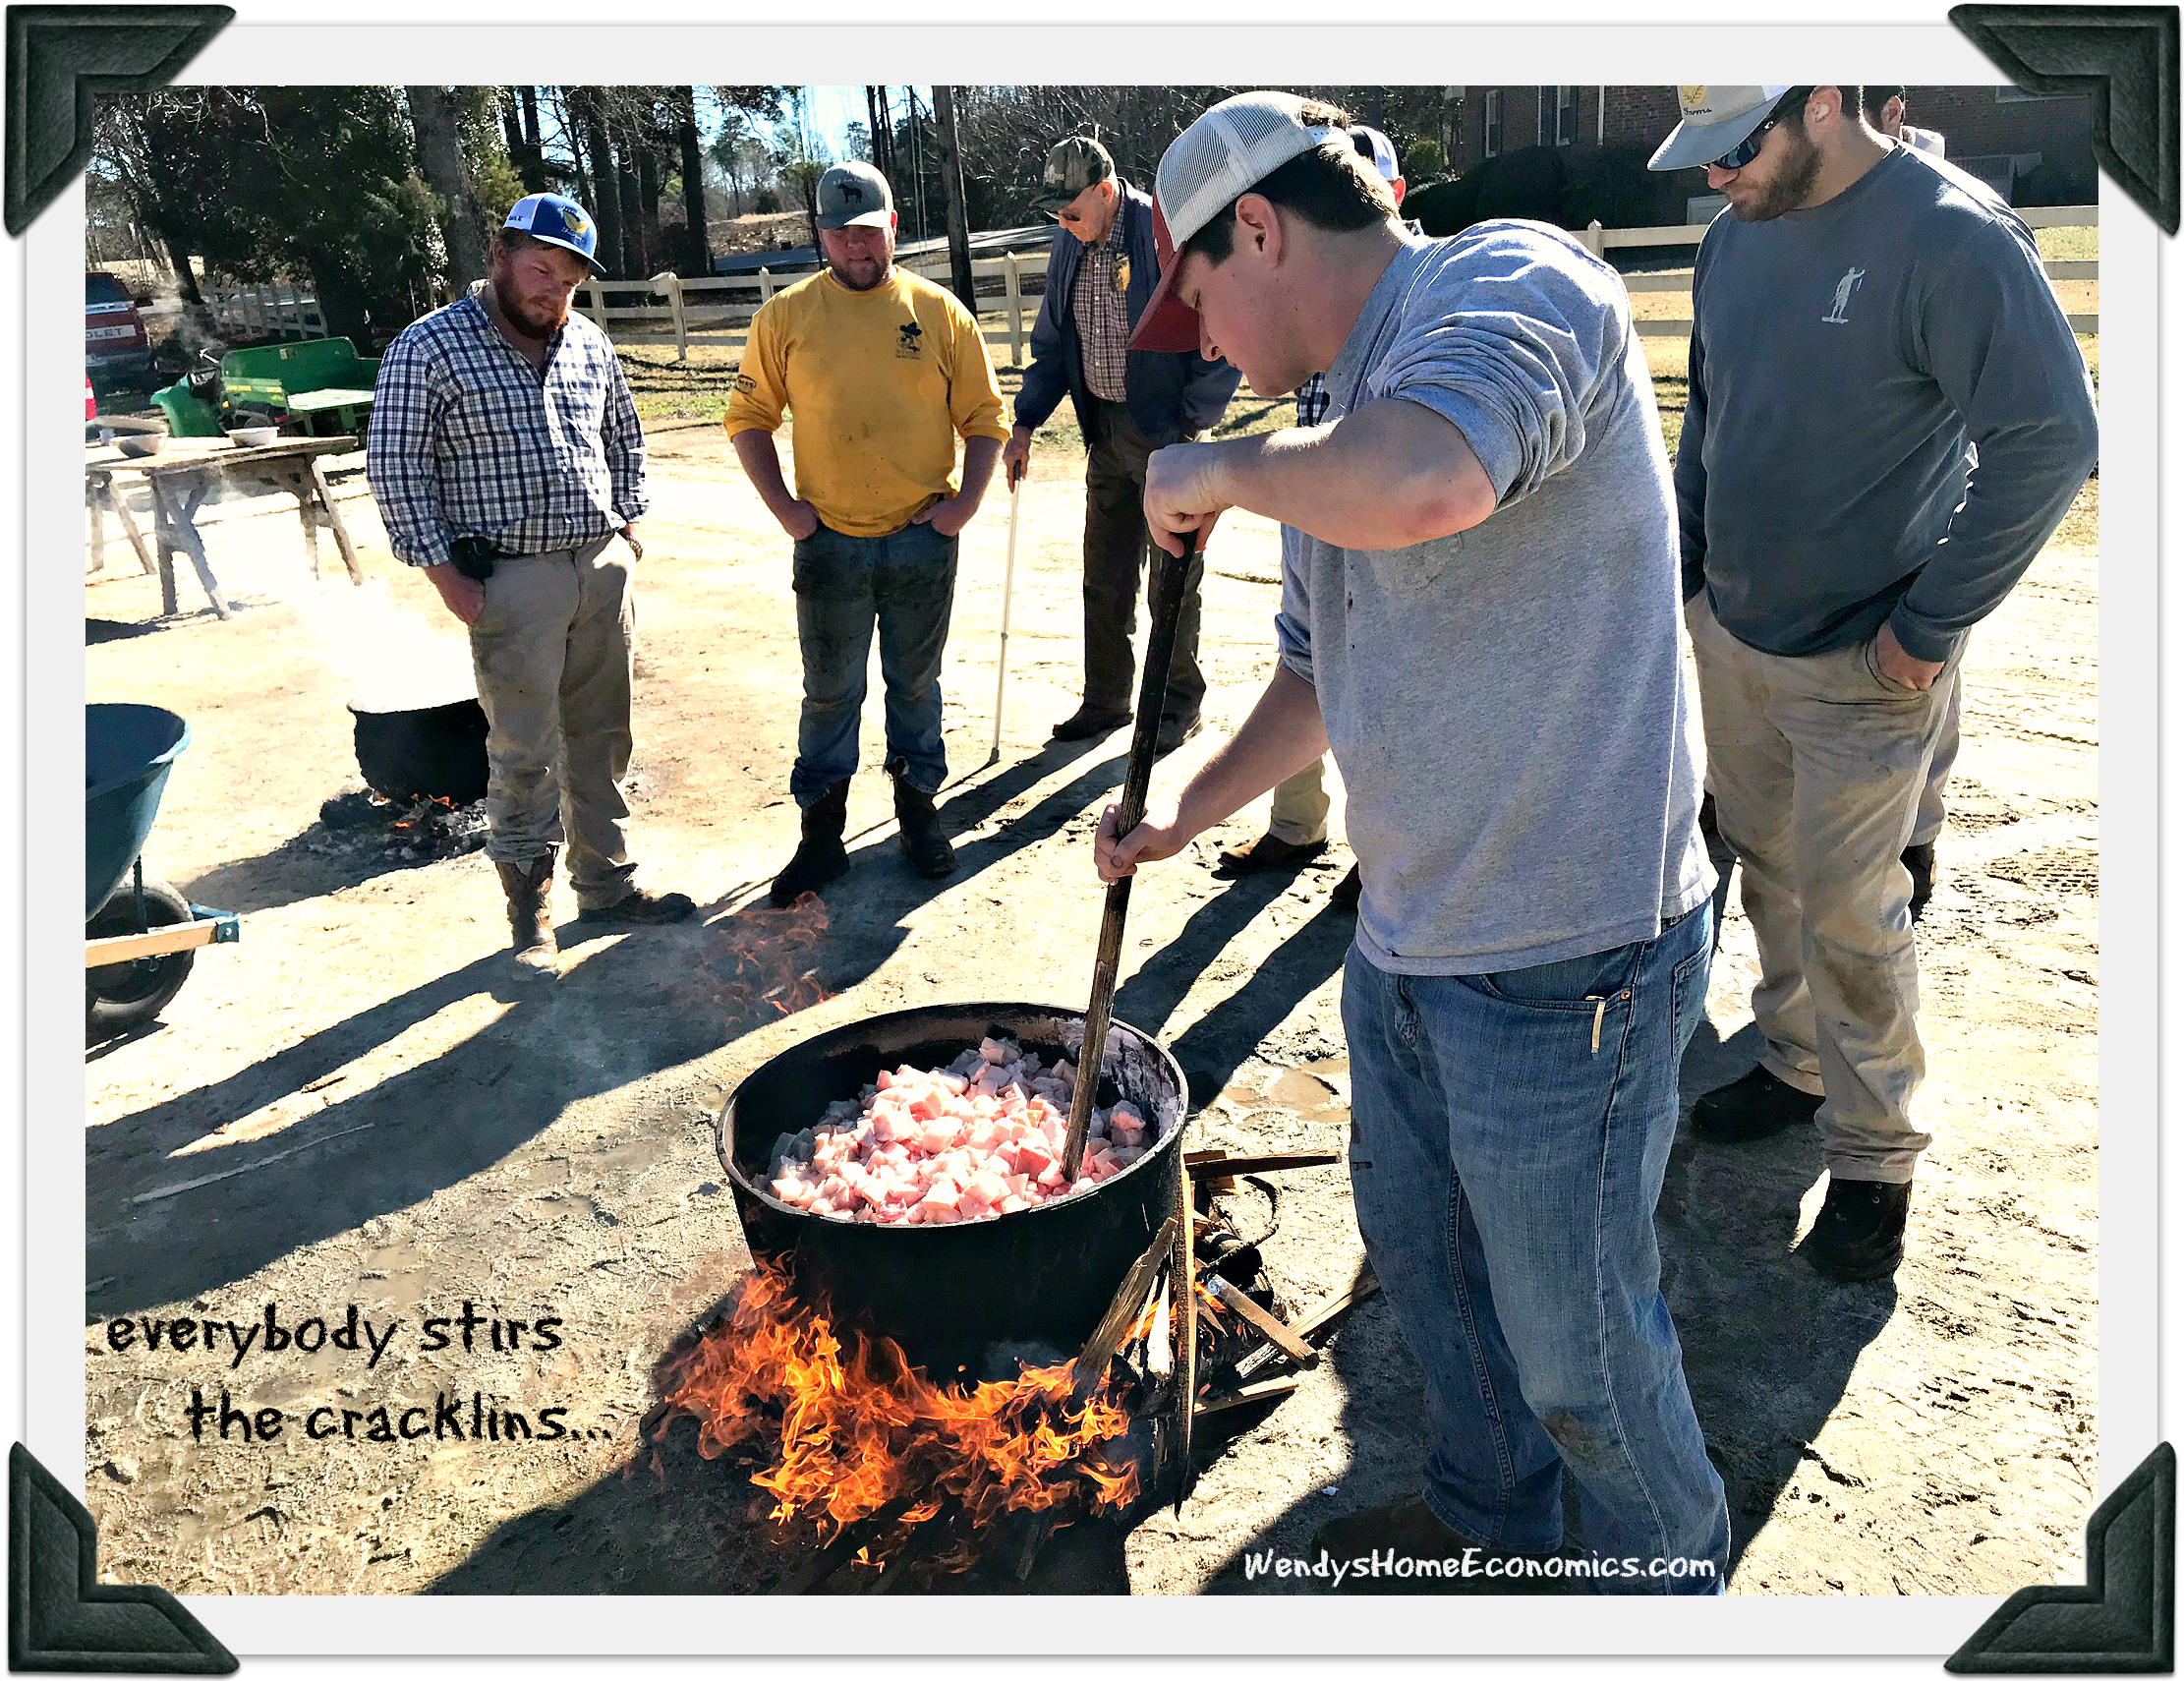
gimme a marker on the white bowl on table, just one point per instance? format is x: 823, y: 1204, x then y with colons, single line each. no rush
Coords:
x: 254, y: 436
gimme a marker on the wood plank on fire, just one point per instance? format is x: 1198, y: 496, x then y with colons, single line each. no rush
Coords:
x: 1261, y: 1322
x: 1187, y: 1299
x: 1265, y: 1389
x: 1362, y: 1289
x: 847, y: 1542
x: 1121, y: 1313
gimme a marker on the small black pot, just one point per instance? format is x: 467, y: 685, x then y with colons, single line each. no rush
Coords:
x: 950, y: 1294
x: 435, y: 752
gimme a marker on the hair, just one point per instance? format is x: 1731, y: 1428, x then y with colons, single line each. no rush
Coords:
x: 1334, y: 186
x: 1855, y: 97
x: 510, y: 241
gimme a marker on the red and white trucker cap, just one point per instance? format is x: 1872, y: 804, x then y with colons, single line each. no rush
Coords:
x: 1224, y: 154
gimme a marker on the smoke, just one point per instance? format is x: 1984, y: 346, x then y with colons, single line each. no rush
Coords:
x: 387, y: 655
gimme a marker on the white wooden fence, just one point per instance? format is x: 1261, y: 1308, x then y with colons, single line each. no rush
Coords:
x: 1601, y: 241
x: 253, y: 313
x: 717, y: 310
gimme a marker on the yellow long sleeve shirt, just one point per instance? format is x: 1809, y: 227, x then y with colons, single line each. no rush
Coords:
x: 880, y: 384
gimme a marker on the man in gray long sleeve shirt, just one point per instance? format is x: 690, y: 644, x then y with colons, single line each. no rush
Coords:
x: 1861, y: 313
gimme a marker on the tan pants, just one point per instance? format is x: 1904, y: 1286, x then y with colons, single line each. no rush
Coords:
x: 1299, y: 814
x: 1818, y: 765
x: 551, y: 650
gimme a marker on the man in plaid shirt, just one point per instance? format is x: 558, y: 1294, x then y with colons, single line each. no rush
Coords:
x: 505, y: 456
x: 1101, y: 271
x: 1297, y: 824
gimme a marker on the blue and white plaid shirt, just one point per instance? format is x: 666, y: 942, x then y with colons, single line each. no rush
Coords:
x: 469, y: 439
x: 1312, y: 400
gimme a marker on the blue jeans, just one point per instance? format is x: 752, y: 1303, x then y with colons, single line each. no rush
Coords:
x: 906, y: 582
x: 1510, y: 1136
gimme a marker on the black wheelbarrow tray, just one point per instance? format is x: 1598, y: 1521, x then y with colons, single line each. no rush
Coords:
x: 141, y: 933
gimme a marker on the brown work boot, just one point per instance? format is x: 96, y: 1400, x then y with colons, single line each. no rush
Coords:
x: 1267, y: 853
x: 820, y: 856
x: 529, y: 885
x: 922, y: 838
x: 636, y: 906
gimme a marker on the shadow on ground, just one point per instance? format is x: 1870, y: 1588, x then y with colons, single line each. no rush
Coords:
x: 622, y: 1009
x: 1768, y: 1345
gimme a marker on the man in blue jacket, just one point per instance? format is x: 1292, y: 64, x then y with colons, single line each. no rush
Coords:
x: 1100, y: 277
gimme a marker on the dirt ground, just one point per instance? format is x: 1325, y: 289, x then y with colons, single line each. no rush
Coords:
x: 366, y: 1102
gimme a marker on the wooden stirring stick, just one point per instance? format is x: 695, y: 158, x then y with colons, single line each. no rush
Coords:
x: 1129, y: 811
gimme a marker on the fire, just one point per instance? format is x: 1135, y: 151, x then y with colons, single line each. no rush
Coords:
x: 765, y: 959
x: 849, y: 1427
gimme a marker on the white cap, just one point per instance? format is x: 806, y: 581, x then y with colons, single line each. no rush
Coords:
x: 1715, y: 120
x: 1382, y: 151
x: 1229, y: 149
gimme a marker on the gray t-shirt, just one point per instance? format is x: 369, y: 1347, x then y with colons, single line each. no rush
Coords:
x: 1841, y: 361
x: 1506, y: 706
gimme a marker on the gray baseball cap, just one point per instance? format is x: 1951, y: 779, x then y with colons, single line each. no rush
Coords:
x: 1714, y: 120
x: 1078, y: 162
x: 854, y: 195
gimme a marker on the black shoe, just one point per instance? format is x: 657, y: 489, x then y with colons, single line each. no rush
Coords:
x: 1407, y: 1528
x: 1758, y: 1106
x: 1918, y: 860
x: 1173, y: 732
x: 922, y: 836
x: 820, y: 856
x: 1860, y: 1234
x: 1087, y: 721
x: 1347, y: 892
x: 1267, y: 853
x: 639, y: 907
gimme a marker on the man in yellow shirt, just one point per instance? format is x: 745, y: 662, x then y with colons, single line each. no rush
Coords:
x: 883, y: 371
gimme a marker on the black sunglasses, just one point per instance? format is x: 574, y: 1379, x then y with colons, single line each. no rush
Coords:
x: 1747, y: 149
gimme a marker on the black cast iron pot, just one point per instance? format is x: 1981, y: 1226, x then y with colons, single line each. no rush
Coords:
x: 949, y: 1295
x: 434, y: 752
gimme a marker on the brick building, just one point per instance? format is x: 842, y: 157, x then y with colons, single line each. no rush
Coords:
x: 2033, y: 149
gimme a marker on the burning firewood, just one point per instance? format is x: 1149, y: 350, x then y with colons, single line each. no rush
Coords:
x: 1318, y: 1319
x: 1266, y: 1324
x: 851, y: 1439
x: 1187, y: 1299
x: 1107, y: 1336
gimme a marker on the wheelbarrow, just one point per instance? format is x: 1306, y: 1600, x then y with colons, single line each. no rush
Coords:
x: 142, y: 933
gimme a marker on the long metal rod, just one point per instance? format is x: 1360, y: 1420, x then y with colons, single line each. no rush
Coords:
x: 1169, y: 571
x: 1008, y: 590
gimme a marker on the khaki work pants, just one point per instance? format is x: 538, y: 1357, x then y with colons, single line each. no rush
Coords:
x: 1299, y: 814
x: 552, y: 649
x: 1817, y: 766
x: 1115, y: 547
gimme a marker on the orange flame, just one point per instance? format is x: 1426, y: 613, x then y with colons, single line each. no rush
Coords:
x: 763, y: 960
x: 850, y: 1427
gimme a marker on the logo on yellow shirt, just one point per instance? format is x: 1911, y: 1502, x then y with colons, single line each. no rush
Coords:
x: 910, y: 336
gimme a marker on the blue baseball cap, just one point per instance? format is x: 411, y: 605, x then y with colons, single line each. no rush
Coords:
x: 555, y: 220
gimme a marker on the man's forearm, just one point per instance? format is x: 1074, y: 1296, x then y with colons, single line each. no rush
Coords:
x: 979, y: 456
x: 761, y: 465
x: 1284, y: 734
x: 1391, y: 474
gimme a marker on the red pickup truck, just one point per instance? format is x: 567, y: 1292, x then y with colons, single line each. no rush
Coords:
x: 115, y: 345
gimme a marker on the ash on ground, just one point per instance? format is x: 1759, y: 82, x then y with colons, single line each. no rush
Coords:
x: 419, y: 830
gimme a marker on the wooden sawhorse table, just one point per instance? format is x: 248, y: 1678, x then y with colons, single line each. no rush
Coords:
x: 188, y: 470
